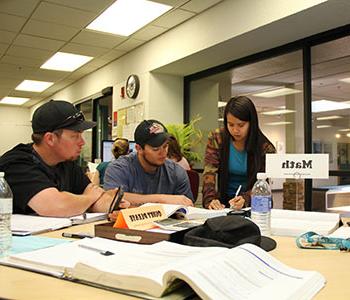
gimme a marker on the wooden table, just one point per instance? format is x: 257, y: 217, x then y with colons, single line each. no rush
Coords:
x: 333, y: 264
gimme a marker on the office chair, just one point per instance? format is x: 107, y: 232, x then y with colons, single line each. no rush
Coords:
x: 194, y: 182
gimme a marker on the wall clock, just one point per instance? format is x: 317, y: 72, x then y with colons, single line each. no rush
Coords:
x: 132, y: 86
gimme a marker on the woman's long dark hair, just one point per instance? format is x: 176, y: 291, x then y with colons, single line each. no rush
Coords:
x: 243, y: 109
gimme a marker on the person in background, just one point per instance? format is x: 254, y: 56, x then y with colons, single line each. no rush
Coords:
x: 234, y: 155
x: 148, y: 175
x: 120, y: 147
x: 43, y: 175
x: 175, y: 154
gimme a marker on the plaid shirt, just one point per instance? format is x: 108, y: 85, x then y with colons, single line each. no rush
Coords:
x: 212, y: 165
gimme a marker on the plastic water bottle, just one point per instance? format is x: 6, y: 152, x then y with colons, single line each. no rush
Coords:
x: 5, y: 216
x: 261, y: 203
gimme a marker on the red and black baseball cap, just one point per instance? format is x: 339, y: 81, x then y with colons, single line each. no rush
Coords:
x: 58, y: 114
x: 150, y: 132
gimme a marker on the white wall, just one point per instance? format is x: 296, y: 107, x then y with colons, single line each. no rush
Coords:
x: 204, y: 101
x: 15, y: 127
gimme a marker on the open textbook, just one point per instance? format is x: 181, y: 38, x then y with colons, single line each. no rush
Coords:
x: 244, y: 272
x: 294, y: 223
x: 189, y: 212
x: 29, y: 224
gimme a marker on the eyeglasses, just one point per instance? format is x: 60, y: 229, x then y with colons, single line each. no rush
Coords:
x: 77, y: 117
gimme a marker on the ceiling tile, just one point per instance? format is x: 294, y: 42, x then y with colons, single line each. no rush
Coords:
x: 3, y: 48
x: 11, y: 23
x: 24, y: 94
x: 112, y: 55
x: 18, y: 7
x: 50, y: 30
x: 47, y: 75
x: 198, y: 6
x: 98, y: 62
x: 84, y: 49
x: 173, y: 3
x: 173, y: 18
x: 94, y: 38
x: 9, y: 82
x: 63, y: 15
x: 37, y: 42
x: 4, y: 91
x: 14, y: 71
x: 22, y: 61
x: 88, y: 5
x: 149, y: 32
x: 7, y: 36
x: 21, y: 51
x: 129, y: 44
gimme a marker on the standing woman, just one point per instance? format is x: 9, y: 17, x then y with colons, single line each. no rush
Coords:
x: 234, y: 154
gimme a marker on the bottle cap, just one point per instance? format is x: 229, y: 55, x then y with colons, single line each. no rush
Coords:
x: 261, y: 176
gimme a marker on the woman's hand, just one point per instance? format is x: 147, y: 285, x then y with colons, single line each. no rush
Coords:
x: 216, y: 204
x: 237, y: 202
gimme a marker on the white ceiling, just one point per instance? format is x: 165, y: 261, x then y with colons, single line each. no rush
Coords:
x: 31, y: 31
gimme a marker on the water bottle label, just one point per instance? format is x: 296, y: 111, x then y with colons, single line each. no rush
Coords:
x: 5, y: 205
x: 261, y: 204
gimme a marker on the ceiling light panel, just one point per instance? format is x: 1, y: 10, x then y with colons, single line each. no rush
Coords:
x: 68, y: 62
x: 278, y: 112
x: 14, y: 100
x: 346, y: 80
x: 328, y: 105
x: 328, y: 118
x: 323, y: 126
x: 33, y: 85
x: 277, y: 93
x: 124, y: 17
x: 278, y: 123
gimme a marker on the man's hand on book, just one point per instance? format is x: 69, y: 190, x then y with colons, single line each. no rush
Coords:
x: 177, y: 199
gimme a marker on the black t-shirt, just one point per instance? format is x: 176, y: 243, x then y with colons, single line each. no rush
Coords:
x: 27, y: 175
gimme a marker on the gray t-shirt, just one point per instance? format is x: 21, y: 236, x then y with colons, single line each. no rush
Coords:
x: 127, y: 172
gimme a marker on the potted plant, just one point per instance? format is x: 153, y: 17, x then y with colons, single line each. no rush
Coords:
x: 188, y: 136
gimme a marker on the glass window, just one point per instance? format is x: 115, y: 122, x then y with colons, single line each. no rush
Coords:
x: 331, y: 107
x: 275, y: 85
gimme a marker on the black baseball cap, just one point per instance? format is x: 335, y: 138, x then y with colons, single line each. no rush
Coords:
x: 58, y: 114
x: 228, y: 231
x: 151, y: 132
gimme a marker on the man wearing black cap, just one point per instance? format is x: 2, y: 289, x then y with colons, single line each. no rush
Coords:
x: 43, y: 175
x: 148, y: 176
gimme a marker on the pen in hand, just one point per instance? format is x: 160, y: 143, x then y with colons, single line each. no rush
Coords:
x: 236, y: 194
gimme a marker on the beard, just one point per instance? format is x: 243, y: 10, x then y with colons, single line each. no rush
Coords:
x: 151, y: 163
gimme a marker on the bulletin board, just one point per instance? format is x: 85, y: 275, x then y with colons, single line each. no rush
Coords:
x: 126, y: 119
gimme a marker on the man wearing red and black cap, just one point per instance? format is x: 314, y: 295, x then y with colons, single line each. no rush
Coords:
x: 43, y: 175
x: 148, y: 176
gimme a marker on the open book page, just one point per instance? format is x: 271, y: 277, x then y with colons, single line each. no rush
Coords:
x: 248, y: 272
x: 88, y: 218
x: 29, y: 224
x: 26, y: 224
x: 141, y: 270
x: 65, y: 256
x: 245, y: 272
x: 189, y: 212
x: 294, y: 223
